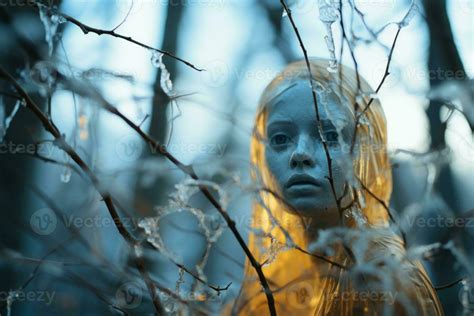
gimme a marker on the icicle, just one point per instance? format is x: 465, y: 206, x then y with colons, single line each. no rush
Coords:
x: 410, y: 15
x: 50, y: 25
x: 155, y: 58
x: 5, y: 121
x: 328, y: 14
x: 59, y: 19
x: 167, y: 85
x: 165, y: 81
x: 332, y: 50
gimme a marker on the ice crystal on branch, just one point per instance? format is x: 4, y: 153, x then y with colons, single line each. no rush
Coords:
x: 328, y: 14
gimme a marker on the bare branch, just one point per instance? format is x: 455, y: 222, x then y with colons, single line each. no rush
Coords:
x: 315, y: 101
x: 89, y: 29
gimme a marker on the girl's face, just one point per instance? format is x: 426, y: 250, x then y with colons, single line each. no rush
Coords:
x: 295, y: 154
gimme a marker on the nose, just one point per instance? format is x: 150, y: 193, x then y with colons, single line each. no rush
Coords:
x: 302, y: 156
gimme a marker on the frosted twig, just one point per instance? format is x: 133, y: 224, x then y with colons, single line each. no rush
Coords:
x: 89, y: 29
x: 53, y: 130
x: 59, y: 141
x: 315, y: 101
x: 385, y: 75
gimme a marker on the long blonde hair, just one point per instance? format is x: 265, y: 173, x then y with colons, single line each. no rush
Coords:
x: 276, y: 231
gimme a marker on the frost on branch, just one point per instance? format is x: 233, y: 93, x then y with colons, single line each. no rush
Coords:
x: 50, y: 22
x: 328, y: 14
x: 165, y: 77
x: 212, y: 225
x: 165, y: 82
x: 5, y: 120
x: 412, y: 12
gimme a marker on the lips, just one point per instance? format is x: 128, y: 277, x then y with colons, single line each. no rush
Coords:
x: 301, y: 180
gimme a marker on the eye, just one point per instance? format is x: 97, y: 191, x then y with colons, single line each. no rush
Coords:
x: 279, y: 140
x: 332, y: 136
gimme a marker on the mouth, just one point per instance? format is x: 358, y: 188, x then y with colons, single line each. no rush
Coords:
x: 302, y: 181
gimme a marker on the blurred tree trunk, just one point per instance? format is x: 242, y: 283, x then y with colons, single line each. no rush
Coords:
x: 274, y: 12
x: 16, y: 51
x: 153, y: 194
x: 443, y: 58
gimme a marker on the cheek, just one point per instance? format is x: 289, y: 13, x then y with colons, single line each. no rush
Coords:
x: 277, y: 163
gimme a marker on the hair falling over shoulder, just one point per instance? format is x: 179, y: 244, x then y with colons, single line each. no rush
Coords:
x: 373, y: 275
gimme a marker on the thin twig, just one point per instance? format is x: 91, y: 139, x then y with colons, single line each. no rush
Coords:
x: 387, y: 208
x: 216, y: 288
x: 315, y: 101
x: 187, y: 169
x: 106, y: 197
x: 126, y: 16
x: 50, y: 127
x: 89, y: 29
x: 448, y: 285
x: 385, y: 75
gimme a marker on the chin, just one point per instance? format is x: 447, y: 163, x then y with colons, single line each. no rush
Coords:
x: 308, y: 207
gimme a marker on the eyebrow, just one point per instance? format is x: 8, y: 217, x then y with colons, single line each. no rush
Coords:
x: 327, y: 124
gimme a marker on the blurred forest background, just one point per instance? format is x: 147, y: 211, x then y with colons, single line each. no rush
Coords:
x: 60, y: 250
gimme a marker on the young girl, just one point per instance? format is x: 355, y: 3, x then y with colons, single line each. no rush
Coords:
x: 320, y: 223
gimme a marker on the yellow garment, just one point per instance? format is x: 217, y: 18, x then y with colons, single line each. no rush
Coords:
x: 305, y: 285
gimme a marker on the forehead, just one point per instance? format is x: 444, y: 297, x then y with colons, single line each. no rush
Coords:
x: 295, y: 103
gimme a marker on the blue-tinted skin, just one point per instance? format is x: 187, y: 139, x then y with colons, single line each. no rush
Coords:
x: 294, y: 147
